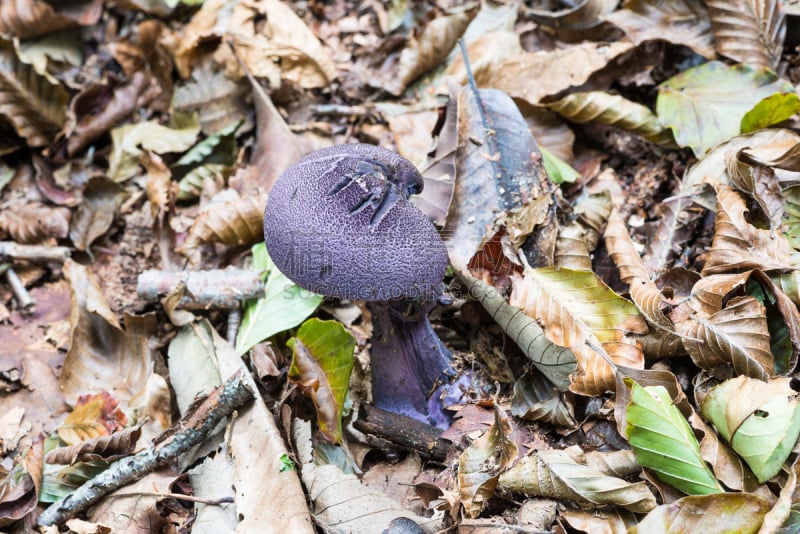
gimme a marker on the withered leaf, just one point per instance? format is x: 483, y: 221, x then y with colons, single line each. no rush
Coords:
x: 96, y: 212
x: 736, y: 336
x: 34, y: 222
x: 29, y: 18
x: 105, y: 447
x: 749, y: 31
x: 34, y: 105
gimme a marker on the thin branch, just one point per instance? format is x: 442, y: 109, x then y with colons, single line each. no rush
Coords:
x: 192, y: 429
x: 33, y: 253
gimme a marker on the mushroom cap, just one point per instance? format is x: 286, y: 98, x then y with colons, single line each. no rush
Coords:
x: 338, y: 223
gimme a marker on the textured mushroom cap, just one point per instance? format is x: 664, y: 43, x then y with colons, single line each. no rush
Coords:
x: 338, y: 223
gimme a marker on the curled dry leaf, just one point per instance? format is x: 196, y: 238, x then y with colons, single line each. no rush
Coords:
x: 101, y: 199
x: 29, y: 18
x: 576, y: 307
x: 572, y: 248
x: 143, y: 52
x: 93, y: 416
x: 581, y: 21
x: 558, y: 474
x: 216, y: 99
x: 33, y: 222
x: 749, y: 31
x: 284, y: 48
x: 549, y: 130
x: 30, y: 102
x: 485, y: 52
x: 760, y: 183
x: 736, y: 336
x: 727, y: 512
x: 738, y: 244
x: 236, y: 222
x: 105, y: 447
x: 480, y: 465
x: 536, y: 399
x: 427, y: 49
x: 613, y: 110
x: 683, y: 22
x: 622, y: 250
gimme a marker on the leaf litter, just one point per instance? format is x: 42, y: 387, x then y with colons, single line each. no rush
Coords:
x: 617, y: 186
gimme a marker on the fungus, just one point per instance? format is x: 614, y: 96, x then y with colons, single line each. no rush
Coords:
x: 338, y: 223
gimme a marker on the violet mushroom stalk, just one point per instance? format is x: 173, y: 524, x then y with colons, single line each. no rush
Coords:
x: 338, y: 223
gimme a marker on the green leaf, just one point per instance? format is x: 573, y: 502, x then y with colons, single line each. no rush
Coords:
x: 283, y: 306
x: 558, y: 170
x: 770, y: 110
x: 760, y: 420
x: 321, y: 363
x: 663, y: 441
x: 705, y: 105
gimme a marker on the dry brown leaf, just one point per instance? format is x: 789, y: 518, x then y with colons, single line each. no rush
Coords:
x: 143, y: 53
x: 101, y: 356
x: 101, y: 106
x: 234, y: 223
x: 480, y: 465
x: 483, y: 53
x: 579, y: 21
x: 33, y: 222
x: 683, y: 22
x: 32, y: 104
x: 760, y: 183
x: 218, y: 100
x: 553, y: 72
x: 572, y: 248
x: 749, y: 31
x: 549, y: 130
x: 29, y: 18
x: 739, y: 245
x: 575, y: 307
x: 559, y: 474
x: 736, y: 336
x: 429, y: 48
x: 613, y: 110
x: 104, y: 447
x: 93, y: 416
x: 622, y: 250
x: 656, y: 345
x: 93, y: 217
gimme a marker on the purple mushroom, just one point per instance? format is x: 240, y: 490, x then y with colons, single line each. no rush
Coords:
x: 338, y: 223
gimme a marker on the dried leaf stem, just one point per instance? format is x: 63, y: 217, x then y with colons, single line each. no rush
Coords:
x: 192, y: 430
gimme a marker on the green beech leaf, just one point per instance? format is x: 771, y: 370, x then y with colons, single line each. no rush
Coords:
x: 770, y: 110
x: 321, y: 364
x: 704, y: 105
x: 558, y: 170
x: 283, y: 306
x: 761, y: 421
x: 663, y: 441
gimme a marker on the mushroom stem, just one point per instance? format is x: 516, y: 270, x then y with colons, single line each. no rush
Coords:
x: 410, y: 364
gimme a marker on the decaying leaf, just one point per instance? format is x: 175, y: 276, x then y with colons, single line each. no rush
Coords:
x: 736, y: 336
x: 101, y: 199
x: 321, y: 364
x: 761, y: 420
x: 215, y: 98
x: 33, y: 222
x: 234, y: 222
x: 480, y: 465
x: 759, y: 182
x: 558, y: 474
x: 741, y: 513
x: 35, y: 106
x: 93, y: 416
x: 613, y: 110
x: 575, y: 307
x: 748, y: 31
x: 683, y: 22
x: 739, y: 245
x: 29, y: 18
x: 536, y: 399
x: 108, y: 447
x: 704, y: 105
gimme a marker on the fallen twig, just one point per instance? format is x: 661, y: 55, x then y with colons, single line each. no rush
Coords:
x: 24, y: 299
x: 33, y: 253
x: 221, y: 289
x: 192, y: 430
